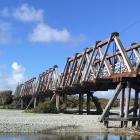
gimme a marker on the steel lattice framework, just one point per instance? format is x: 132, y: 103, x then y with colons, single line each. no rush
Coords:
x: 106, y: 65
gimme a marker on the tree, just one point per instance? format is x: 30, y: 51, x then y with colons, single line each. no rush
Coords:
x: 6, y: 97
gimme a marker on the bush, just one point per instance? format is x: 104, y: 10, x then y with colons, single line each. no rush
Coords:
x: 72, y: 101
x: 9, y: 106
x: 44, y: 107
x: 6, y: 97
x: 62, y: 107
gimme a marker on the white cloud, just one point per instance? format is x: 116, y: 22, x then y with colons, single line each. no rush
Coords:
x: 10, y: 81
x: 17, y: 74
x: 5, y: 32
x: 44, y: 33
x: 28, y: 13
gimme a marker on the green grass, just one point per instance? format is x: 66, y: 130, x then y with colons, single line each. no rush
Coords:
x: 10, y: 106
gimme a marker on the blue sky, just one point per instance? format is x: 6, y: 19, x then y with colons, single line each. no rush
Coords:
x: 35, y: 35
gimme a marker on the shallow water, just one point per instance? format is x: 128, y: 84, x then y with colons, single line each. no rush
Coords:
x: 68, y: 136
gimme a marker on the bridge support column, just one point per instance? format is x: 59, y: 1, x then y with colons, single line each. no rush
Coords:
x: 22, y: 103
x: 99, y: 109
x: 80, y: 103
x: 57, y: 102
x: 128, y: 94
x: 65, y: 102
x: 110, y: 103
x: 136, y: 105
x: 139, y: 117
x: 35, y: 102
x: 122, y: 104
x: 26, y: 102
x: 138, y: 113
x: 88, y: 103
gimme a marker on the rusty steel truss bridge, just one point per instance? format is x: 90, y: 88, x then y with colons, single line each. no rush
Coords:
x: 107, y: 65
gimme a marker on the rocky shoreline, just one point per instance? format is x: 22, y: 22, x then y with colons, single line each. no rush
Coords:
x: 17, y: 121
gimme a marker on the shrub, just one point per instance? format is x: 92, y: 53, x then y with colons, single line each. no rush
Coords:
x: 6, y: 97
x: 72, y: 101
x: 44, y: 107
x: 9, y: 106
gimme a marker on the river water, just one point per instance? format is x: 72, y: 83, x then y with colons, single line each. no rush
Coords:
x: 68, y: 136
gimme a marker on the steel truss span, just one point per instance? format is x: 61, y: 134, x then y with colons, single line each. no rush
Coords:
x: 104, y: 66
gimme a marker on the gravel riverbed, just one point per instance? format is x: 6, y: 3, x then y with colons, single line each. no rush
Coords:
x: 17, y: 121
